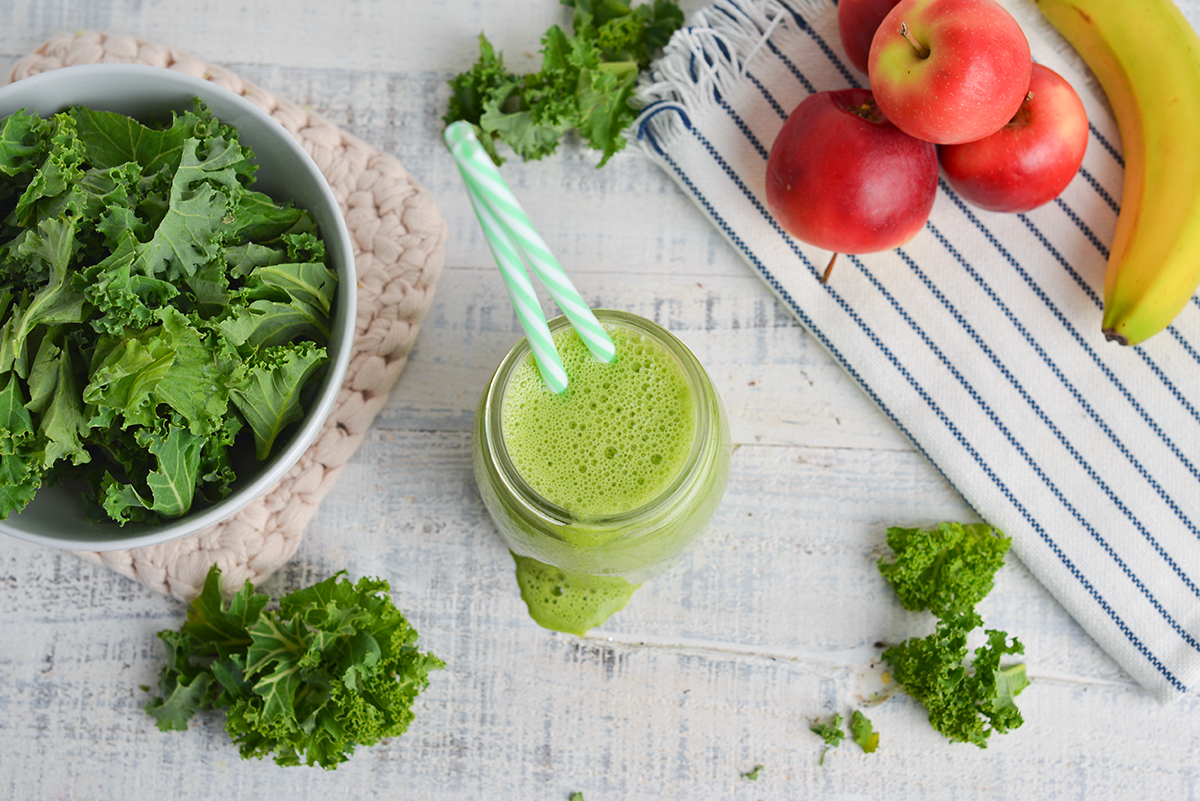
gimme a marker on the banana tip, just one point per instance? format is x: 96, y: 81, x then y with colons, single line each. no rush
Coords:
x: 1113, y: 336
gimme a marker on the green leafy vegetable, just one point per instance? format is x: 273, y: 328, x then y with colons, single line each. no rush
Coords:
x: 966, y: 703
x: 863, y: 732
x: 336, y: 666
x: 752, y: 775
x: 586, y: 81
x: 269, y: 398
x: 831, y: 733
x: 947, y: 569
x: 153, y: 305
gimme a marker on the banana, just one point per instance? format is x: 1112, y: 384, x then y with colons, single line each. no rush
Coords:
x: 1146, y: 57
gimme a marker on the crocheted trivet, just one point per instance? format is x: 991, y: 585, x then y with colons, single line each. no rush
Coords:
x: 398, y: 235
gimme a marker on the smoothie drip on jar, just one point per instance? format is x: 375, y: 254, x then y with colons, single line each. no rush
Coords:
x: 570, y: 602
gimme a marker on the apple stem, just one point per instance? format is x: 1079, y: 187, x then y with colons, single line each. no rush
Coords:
x: 921, y: 49
x: 828, y: 269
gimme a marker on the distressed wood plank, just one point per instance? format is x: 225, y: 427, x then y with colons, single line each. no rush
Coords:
x: 774, y: 618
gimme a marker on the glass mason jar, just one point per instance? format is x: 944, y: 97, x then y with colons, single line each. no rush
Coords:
x: 634, y: 543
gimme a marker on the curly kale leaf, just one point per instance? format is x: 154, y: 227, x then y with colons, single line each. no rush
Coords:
x: 627, y: 34
x: 48, y: 250
x: 20, y: 469
x: 966, y: 702
x: 282, y: 302
x: 58, y: 172
x: 55, y: 396
x: 112, y: 140
x: 177, y: 364
x: 196, y: 224
x: 270, y: 396
x: 171, y: 477
x: 335, y: 667
x: 22, y: 143
x: 946, y: 570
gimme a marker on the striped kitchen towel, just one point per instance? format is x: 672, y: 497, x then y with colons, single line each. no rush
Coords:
x: 980, y: 338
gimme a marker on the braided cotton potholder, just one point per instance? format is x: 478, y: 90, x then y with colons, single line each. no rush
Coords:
x: 398, y: 235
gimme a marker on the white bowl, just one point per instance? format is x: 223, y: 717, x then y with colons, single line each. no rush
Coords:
x: 55, y: 517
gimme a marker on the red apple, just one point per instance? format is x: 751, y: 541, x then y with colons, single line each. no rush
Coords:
x: 949, y: 71
x: 843, y: 178
x: 1030, y: 160
x: 857, y: 23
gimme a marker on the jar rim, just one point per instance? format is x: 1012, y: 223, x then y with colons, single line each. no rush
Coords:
x: 556, y: 515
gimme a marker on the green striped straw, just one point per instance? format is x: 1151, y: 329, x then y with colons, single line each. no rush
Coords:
x: 484, y: 180
x: 522, y: 295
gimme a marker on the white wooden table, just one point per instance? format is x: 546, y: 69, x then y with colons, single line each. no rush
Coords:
x: 719, y: 666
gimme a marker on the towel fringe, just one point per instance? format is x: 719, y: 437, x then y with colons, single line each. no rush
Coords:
x: 707, y: 59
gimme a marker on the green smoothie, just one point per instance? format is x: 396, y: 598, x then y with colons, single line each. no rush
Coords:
x: 615, y: 439
x: 600, y: 487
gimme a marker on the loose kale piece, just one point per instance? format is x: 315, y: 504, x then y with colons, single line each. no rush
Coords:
x: 335, y: 667
x: 948, y: 569
x: 586, y: 81
x: 966, y: 703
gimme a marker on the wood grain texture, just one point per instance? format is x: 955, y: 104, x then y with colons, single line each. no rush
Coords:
x: 775, y: 618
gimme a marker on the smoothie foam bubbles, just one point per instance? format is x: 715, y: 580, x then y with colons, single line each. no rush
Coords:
x: 615, y: 439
